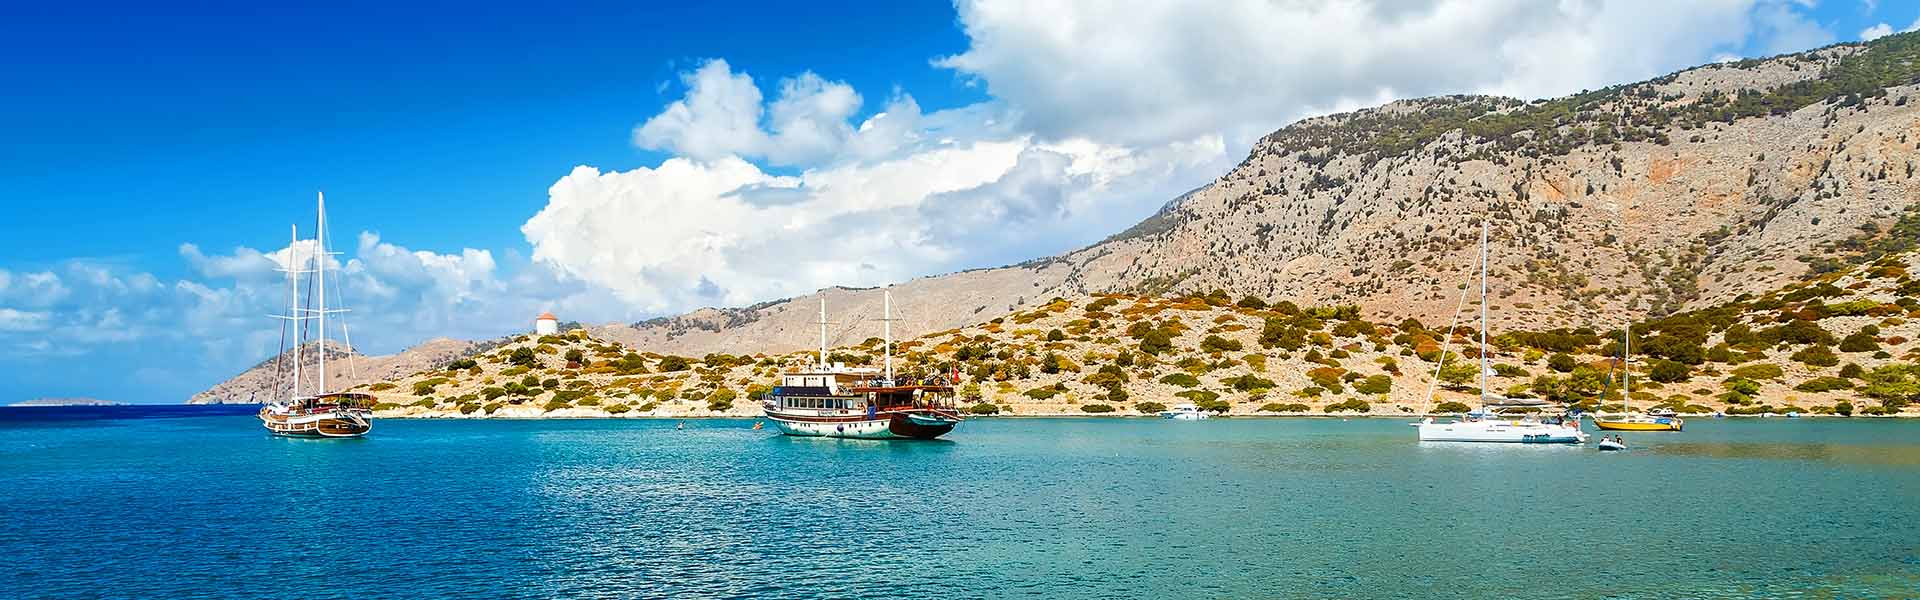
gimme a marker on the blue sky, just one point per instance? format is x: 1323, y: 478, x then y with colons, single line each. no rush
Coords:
x: 618, y: 161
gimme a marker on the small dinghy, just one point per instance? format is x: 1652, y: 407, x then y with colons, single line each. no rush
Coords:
x: 1611, y: 445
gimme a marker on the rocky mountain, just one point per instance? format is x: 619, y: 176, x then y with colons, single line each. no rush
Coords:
x: 345, y: 367
x: 1635, y: 200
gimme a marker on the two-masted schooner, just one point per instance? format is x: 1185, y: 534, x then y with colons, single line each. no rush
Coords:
x: 835, y: 400
x: 308, y: 409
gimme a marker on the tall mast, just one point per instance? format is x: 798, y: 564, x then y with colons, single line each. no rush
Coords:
x: 823, y: 335
x: 1626, y: 371
x: 320, y: 272
x: 293, y: 302
x: 1483, y: 311
x: 887, y: 327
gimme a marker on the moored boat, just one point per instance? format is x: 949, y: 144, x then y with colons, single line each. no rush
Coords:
x: 1626, y: 419
x: 834, y: 400
x: 1499, y: 419
x: 309, y: 410
x: 1184, y: 412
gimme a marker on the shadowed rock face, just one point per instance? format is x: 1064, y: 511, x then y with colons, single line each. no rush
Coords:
x: 1641, y: 199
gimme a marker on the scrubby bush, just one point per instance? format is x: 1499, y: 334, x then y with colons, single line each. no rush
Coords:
x: 1760, y: 372
x: 468, y: 408
x: 553, y: 405
x: 1096, y: 408
x: 1248, y: 383
x: 1214, y: 343
x: 1277, y: 407
x: 1561, y: 362
x: 1148, y: 408
x: 1353, y: 405
x: 1374, y: 384
x: 1817, y: 355
x: 1199, y: 396
x: 387, y: 406
x: 1451, y: 407
x: 1859, y: 342
x: 1055, y: 335
x: 618, y: 409
x: 1824, y: 384
x: 721, y: 399
x: 669, y: 364
x: 380, y: 387
x: 1843, y: 408
x: 1156, y: 342
x: 1042, y: 393
x: 521, y: 356
x: 984, y: 408
x: 1668, y: 371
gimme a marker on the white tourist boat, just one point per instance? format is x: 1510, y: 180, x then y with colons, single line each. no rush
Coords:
x: 1184, y: 412
x: 309, y: 410
x: 1493, y: 422
x: 834, y: 400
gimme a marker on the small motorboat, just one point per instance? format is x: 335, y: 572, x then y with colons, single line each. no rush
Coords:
x: 1184, y: 412
x: 1611, y: 445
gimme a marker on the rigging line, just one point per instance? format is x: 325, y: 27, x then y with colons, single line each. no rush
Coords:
x: 1448, y: 343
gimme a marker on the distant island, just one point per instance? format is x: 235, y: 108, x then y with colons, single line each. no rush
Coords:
x: 68, y: 402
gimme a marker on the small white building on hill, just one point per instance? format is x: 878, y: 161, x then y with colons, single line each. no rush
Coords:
x: 546, y: 324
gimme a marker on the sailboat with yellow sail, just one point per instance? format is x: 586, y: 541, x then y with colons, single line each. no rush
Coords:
x: 1626, y: 419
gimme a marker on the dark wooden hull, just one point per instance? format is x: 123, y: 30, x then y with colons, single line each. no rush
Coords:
x: 904, y: 426
x: 306, y: 426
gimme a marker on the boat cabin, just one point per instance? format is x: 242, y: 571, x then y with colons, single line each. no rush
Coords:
x: 852, y: 390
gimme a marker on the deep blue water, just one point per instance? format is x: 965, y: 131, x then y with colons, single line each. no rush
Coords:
x: 208, y: 506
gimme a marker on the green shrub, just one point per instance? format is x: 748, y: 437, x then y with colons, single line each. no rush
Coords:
x: 1375, y: 384
x: 1451, y: 407
x: 1859, y: 342
x: 1247, y: 383
x: 491, y: 406
x: 669, y: 364
x: 521, y: 357
x: 1759, y: 372
x: 1668, y: 371
x: 1843, y: 408
x: 1214, y: 343
x: 380, y: 387
x: 469, y: 408
x: 983, y: 408
x: 1561, y: 362
x: 1199, y: 396
x: 1817, y: 355
x: 1042, y: 393
x: 1096, y: 408
x: 1148, y: 408
x: 1277, y: 407
x: 618, y: 409
x: 721, y: 399
x: 1824, y: 384
x: 1055, y: 335
x: 387, y: 406
x: 1180, y: 379
x: 1353, y: 405
x: 553, y: 405
x: 424, y: 403
x: 1156, y: 342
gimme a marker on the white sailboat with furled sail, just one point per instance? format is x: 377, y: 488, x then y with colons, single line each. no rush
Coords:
x: 308, y: 409
x: 1488, y: 423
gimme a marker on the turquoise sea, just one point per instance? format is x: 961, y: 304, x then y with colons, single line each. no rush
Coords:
x: 127, y: 503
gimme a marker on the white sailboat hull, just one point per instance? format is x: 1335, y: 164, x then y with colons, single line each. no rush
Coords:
x: 1508, y: 432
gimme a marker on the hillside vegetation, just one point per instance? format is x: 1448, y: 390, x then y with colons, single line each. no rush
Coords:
x: 1841, y: 343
